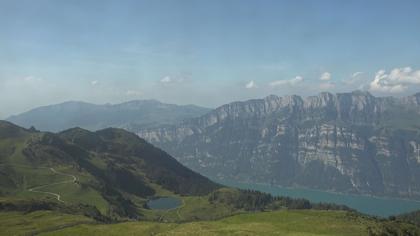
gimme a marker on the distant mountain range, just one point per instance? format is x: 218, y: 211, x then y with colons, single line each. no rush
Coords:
x: 346, y: 142
x: 128, y: 115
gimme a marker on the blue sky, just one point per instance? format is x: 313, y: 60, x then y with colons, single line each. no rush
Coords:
x: 203, y: 52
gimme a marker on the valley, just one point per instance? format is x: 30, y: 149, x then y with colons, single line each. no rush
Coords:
x: 101, y: 183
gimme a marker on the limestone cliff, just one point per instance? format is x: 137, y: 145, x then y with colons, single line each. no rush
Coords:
x: 348, y: 142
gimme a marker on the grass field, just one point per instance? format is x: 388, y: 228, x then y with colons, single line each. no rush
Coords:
x: 282, y: 222
x: 297, y: 223
x: 70, y: 192
x: 19, y: 174
x: 18, y: 223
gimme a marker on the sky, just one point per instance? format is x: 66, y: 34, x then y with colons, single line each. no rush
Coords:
x: 201, y: 52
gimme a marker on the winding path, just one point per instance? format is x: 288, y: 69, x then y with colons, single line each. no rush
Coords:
x: 36, y: 189
x: 58, y: 196
x: 179, y: 208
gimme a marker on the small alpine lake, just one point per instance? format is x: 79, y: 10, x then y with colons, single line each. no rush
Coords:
x: 379, y: 206
x: 164, y: 203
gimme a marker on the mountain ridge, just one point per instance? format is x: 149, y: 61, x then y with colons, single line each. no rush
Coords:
x: 128, y: 114
x: 346, y: 142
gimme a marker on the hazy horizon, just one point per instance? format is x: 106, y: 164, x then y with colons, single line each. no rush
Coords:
x: 214, y: 107
x: 203, y: 53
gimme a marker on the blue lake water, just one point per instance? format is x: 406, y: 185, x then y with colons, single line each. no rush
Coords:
x: 366, y: 204
x: 164, y: 203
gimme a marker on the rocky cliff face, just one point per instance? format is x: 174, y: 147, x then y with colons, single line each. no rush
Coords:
x: 349, y: 142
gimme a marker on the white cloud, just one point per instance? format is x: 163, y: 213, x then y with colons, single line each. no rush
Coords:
x: 355, y: 78
x: 251, y: 84
x: 94, y: 82
x: 171, y: 80
x: 397, y: 81
x: 356, y: 74
x: 326, y: 76
x: 327, y: 85
x: 166, y: 79
x: 29, y: 78
x: 291, y: 82
x: 133, y: 93
x: 32, y: 79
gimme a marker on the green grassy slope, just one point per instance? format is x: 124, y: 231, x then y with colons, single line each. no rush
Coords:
x: 286, y: 222
x: 111, y: 169
x: 18, y: 223
x: 25, y: 164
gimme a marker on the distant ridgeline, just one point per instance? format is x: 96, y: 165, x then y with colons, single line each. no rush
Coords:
x: 128, y: 115
x: 346, y: 142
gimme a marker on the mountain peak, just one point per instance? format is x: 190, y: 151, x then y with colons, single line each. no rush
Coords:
x: 141, y: 102
x: 8, y: 129
x: 7, y: 124
x: 361, y: 93
x: 271, y: 97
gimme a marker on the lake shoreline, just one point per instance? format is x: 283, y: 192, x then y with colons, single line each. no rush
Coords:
x: 164, y: 203
x: 320, y: 190
x: 364, y: 203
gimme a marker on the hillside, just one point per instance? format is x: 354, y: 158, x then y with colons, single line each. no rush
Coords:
x: 128, y: 115
x: 111, y: 169
x: 346, y: 142
x: 412, y: 217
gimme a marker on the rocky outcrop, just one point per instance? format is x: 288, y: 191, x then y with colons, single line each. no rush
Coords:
x: 348, y: 142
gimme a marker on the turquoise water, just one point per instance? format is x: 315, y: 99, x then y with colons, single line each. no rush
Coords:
x: 164, y: 203
x: 366, y: 204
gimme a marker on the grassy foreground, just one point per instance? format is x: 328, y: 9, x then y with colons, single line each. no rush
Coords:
x: 285, y: 222
x: 18, y: 223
